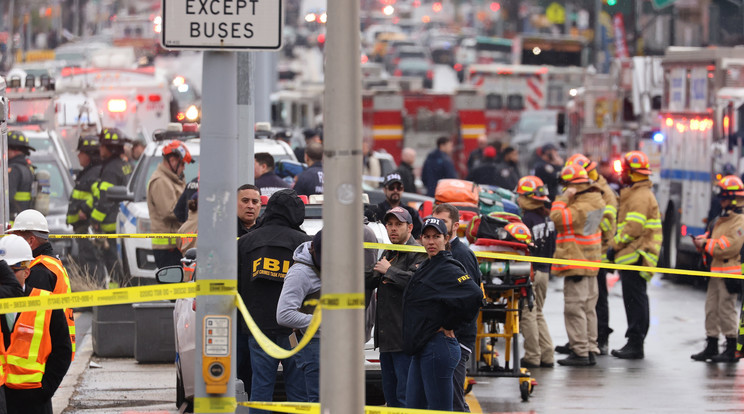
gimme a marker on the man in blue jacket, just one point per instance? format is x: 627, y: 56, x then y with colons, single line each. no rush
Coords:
x: 438, y: 165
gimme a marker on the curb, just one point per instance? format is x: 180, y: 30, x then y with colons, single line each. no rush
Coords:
x: 83, y: 354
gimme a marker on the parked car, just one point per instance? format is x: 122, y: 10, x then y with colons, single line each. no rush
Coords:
x: 418, y: 68
x: 134, y: 217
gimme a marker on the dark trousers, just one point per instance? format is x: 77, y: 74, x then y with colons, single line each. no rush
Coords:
x: 243, y: 363
x: 636, y: 305
x: 394, y: 367
x: 170, y: 257
x: 603, y: 307
x: 458, y: 383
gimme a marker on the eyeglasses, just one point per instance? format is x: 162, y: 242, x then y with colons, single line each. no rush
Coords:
x: 20, y: 265
x: 395, y: 187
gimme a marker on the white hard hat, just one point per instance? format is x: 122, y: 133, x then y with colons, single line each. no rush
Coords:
x: 30, y: 220
x: 14, y: 249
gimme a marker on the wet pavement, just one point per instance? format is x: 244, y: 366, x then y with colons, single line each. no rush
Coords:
x: 666, y: 381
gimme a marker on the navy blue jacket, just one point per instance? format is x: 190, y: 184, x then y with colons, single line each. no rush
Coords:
x: 270, y: 183
x: 310, y: 181
x: 460, y: 252
x: 440, y: 294
x: 437, y: 166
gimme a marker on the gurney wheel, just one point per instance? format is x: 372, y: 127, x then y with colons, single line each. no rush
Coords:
x: 524, y: 389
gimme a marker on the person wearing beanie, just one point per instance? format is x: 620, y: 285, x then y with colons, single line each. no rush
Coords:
x: 487, y: 170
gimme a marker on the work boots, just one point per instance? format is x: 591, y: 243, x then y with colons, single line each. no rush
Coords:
x: 728, y: 354
x: 710, y: 351
x: 563, y: 349
x: 632, y: 350
x: 574, y: 360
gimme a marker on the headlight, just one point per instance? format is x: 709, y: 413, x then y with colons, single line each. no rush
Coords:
x: 192, y: 113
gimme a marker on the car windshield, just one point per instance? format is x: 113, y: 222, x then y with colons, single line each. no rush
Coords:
x: 41, y: 144
x: 58, y: 193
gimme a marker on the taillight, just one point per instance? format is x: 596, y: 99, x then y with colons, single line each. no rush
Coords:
x: 140, y: 98
x: 398, y: 72
x: 429, y: 74
x: 458, y: 66
x: 117, y: 105
x: 154, y: 98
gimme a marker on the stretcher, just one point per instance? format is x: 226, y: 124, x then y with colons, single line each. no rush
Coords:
x: 507, y: 287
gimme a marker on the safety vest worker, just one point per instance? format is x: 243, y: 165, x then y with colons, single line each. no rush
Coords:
x: 165, y: 187
x: 38, y: 350
x: 723, y: 245
x: 46, y: 270
x: 20, y: 174
x: 637, y: 242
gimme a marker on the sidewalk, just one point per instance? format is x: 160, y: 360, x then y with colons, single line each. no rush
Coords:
x: 115, y: 385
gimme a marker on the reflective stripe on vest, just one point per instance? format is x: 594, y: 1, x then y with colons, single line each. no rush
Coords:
x: 729, y: 270
x: 30, y: 346
x: 61, y: 287
x: 108, y: 228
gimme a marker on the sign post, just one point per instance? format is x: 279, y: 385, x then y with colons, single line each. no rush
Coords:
x: 220, y: 28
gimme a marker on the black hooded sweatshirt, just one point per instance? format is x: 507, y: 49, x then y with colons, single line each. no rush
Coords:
x: 265, y: 255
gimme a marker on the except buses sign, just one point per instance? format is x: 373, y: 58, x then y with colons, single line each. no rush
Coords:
x: 222, y: 24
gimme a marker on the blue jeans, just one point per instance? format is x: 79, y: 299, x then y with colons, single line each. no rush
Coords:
x: 308, y: 360
x: 264, y: 374
x: 430, y: 376
x: 394, y: 367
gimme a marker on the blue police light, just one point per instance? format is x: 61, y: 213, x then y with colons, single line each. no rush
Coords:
x: 658, y: 137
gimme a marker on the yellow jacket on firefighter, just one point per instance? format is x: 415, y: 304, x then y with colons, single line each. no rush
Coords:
x: 724, y: 244
x: 163, y: 191
x: 609, y: 217
x: 638, y: 234
x: 578, y: 237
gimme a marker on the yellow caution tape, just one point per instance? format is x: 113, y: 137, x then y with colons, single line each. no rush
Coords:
x: 272, y: 349
x: 314, y: 408
x: 342, y: 300
x: 123, y: 236
x: 215, y: 404
x: 216, y: 287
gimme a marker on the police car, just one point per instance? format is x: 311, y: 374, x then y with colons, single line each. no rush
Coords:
x: 136, y: 254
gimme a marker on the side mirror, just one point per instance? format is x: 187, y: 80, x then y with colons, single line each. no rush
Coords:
x: 119, y: 193
x: 169, y: 274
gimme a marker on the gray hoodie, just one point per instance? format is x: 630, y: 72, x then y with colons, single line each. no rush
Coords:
x: 302, y: 279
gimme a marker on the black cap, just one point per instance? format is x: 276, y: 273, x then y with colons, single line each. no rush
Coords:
x: 435, y: 223
x: 549, y: 147
x: 393, y: 178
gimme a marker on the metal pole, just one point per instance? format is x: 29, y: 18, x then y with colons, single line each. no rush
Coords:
x: 597, y: 34
x: 342, y: 335
x: 75, y: 19
x: 11, y: 31
x: 218, y: 251
x: 246, y: 131
x: 263, y: 86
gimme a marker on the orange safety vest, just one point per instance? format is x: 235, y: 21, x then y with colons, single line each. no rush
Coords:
x: 30, y: 346
x: 61, y: 287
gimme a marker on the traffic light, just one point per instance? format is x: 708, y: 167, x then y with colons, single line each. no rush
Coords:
x: 495, y: 6
x: 611, y: 2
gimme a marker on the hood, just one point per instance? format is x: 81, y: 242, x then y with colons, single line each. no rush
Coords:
x: 284, y: 207
x: 302, y: 254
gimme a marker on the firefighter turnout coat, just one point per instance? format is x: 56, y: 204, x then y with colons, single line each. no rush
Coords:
x: 724, y: 244
x: 163, y: 191
x: 608, y: 225
x: 639, y: 234
x: 82, y: 196
x: 114, y: 171
x: 578, y: 235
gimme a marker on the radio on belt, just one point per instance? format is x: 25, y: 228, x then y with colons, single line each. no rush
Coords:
x: 216, y: 355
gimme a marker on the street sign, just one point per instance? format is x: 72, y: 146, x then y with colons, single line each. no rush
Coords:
x: 556, y: 13
x: 660, y: 4
x: 222, y: 24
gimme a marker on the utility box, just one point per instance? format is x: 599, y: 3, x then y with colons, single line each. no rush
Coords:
x: 154, y: 338
x: 113, y: 331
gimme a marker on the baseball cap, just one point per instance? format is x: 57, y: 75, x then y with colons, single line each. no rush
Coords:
x: 548, y: 147
x: 489, y: 152
x: 393, y: 178
x: 435, y: 223
x: 399, y: 212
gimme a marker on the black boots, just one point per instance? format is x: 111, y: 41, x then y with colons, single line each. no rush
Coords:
x: 574, y: 360
x: 632, y: 350
x: 563, y: 349
x: 729, y: 354
x: 710, y: 351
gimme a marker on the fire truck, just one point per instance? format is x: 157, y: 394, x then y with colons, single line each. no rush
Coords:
x: 701, y: 127
x: 510, y: 90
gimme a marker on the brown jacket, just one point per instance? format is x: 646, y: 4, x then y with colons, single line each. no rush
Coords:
x: 578, y: 235
x: 609, y: 217
x: 163, y: 191
x: 638, y: 227
x: 725, y: 242
x: 189, y: 227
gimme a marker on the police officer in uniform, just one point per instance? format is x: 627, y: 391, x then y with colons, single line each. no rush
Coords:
x: 264, y: 256
x: 20, y: 174
x: 81, y: 203
x: 114, y: 171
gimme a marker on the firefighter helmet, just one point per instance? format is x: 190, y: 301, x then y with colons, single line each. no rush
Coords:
x: 178, y: 149
x: 30, y: 220
x: 532, y: 187
x: 15, y: 251
x: 731, y: 187
x: 520, y: 232
x: 16, y: 140
x: 112, y: 136
x: 574, y: 174
x: 582, y: 160
x: 637, y: 162
x: 88, y: 143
